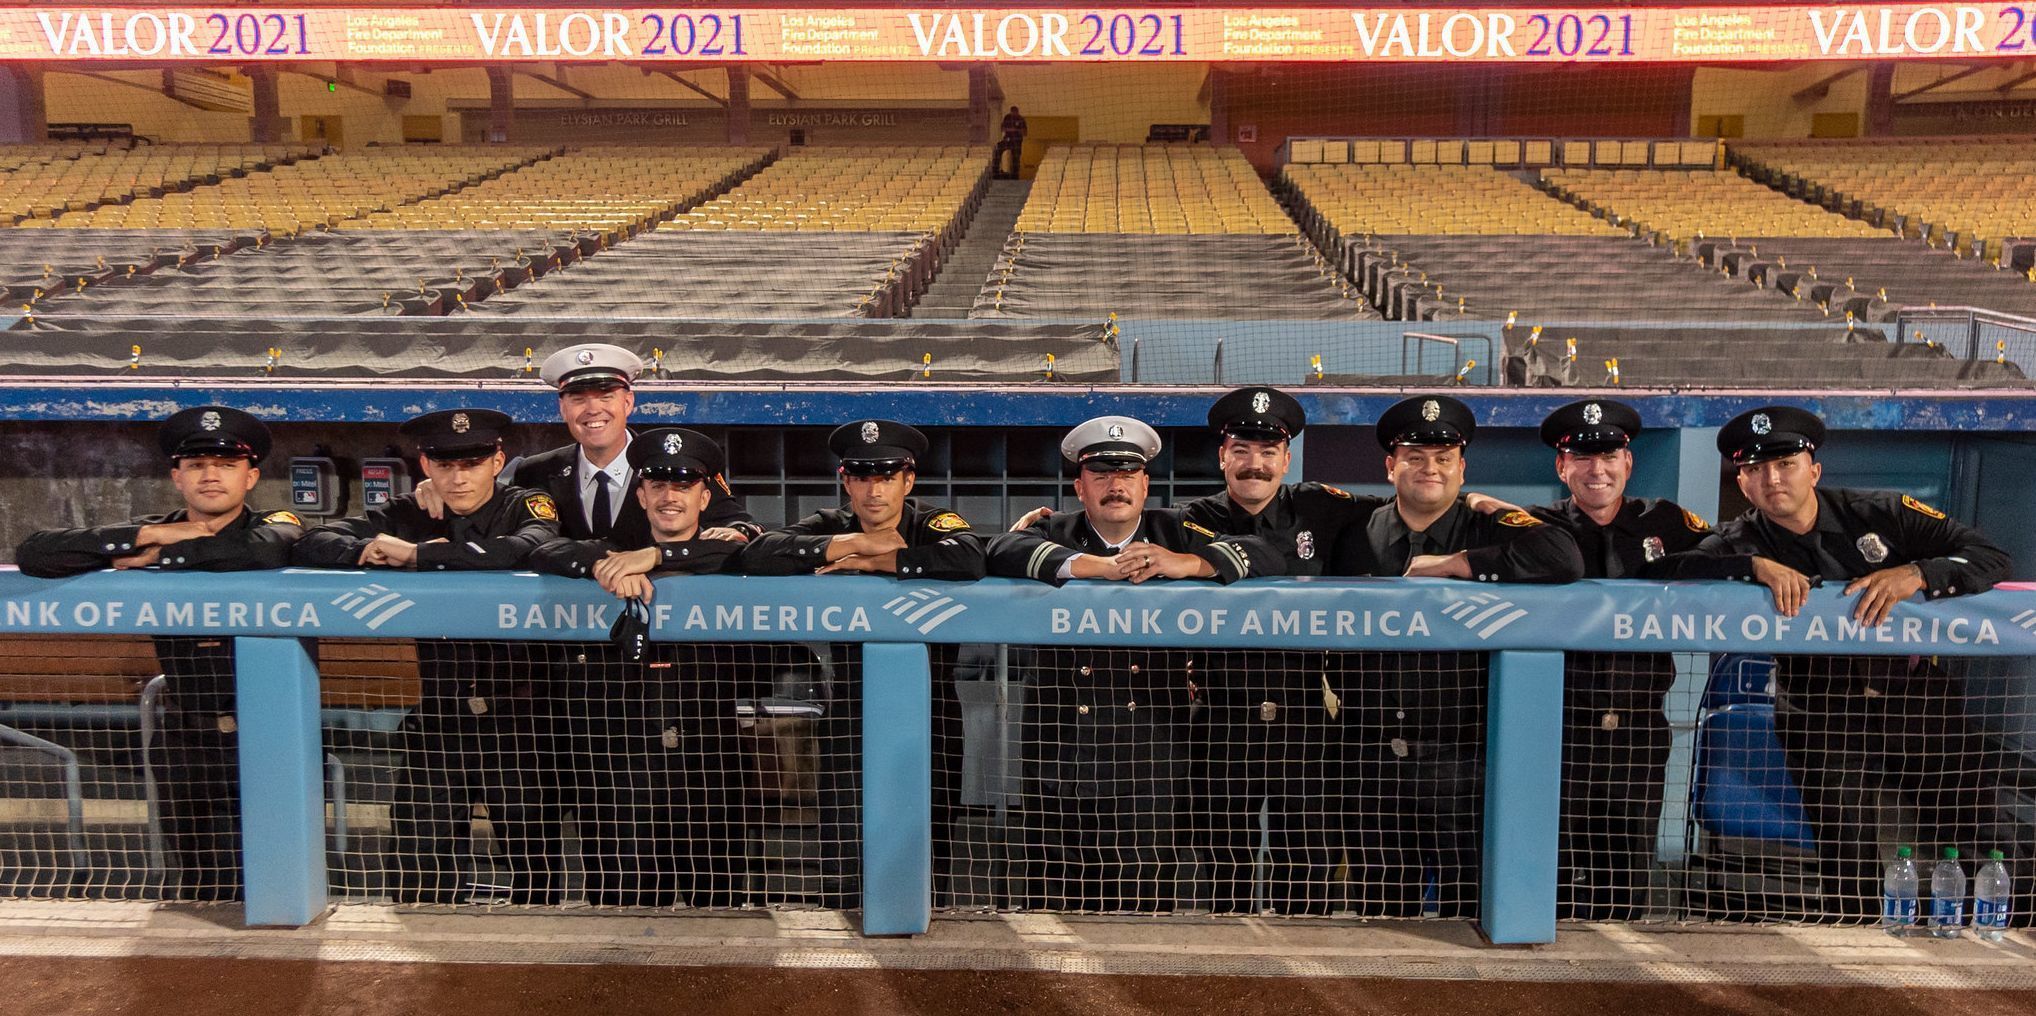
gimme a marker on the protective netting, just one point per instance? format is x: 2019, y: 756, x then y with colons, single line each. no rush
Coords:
x: 705, y: 776
x: 1171, y: 781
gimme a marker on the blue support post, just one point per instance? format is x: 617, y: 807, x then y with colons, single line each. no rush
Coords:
x: 897, y: 798
x: 1523, y: 793
x: 1698, y: 471
x: 282, y: 794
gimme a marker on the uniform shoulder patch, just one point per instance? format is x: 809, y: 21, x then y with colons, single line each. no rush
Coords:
x: 1204, y: 530
x: 1518, y: 519
x: 282, y: 519
x: 1920, y: 507
x: 542, y: 506
x: 1338, y: 491
x: 1695, y: 522
x: 947, y: 522
x: 722, y: 483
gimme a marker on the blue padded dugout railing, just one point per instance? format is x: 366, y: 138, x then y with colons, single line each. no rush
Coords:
x: 1526, y: 630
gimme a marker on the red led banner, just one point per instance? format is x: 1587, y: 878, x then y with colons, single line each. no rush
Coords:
x: 765, y: 35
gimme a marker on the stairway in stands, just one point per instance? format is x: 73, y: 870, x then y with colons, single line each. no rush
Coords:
x: 954, y: 291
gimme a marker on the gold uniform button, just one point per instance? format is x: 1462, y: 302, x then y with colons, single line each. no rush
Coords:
x: 1084, y: 710
x: 1268, y: 711
x: 1609, y: 721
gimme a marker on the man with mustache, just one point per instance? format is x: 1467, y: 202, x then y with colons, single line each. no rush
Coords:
x: 654, y: 744
x: 1615, y: 739
x: 480, y: 734
x: 1856, y: 728
x: 1104, y: 750
x: 1416, y: 745
x: 883, y: 530
x: 214, y: 454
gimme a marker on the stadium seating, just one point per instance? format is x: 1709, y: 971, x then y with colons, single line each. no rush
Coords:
x: 1172, y: 231
x: 616, y: 191
x: 494, y: 347
x: 332, y: 273
x: 70, y: 191
x: 1967, y: 197
x: 314, y: 193
x: 1398, y: 200
x: 1682, y: 205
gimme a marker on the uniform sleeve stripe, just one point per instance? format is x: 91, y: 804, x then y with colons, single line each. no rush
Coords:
x: 1038, y: 560
x: 1236, y: 556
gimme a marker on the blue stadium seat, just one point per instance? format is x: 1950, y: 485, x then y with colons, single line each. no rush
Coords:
x: 1739, y: 678
x: 1743, y: 787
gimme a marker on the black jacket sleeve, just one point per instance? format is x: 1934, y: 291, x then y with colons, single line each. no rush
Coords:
x: 1684, y: 537
x: 55, y: 553
x: 524, y: 523
x: 1955, y: 558
x: 796, y: 549
x: 264, y: 543
x: 575, y: 559
x: 1232, y: 557
x: 1523, y: 548
x: 1028, y: 554
x: 337, y: 544
x: 942, y: 547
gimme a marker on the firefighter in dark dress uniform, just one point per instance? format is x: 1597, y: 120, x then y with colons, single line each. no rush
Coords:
x: 1104, y: 756
x: 1417, y: 738
x: 479, y: 734
x: 1857, y: 727
x: 214, y: 455
x: 1615, y: 737
x: 882, y: 530
x: 663, y: 795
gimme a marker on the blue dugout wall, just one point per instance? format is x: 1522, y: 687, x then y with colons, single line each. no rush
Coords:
x: 1526, y: 629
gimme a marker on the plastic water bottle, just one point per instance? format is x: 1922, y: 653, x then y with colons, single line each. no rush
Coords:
x: 1898, y: 894
x: 1947, y: 896
x: 1991, y: 896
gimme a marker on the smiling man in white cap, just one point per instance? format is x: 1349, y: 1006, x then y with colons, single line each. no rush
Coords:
x: 591, y: 479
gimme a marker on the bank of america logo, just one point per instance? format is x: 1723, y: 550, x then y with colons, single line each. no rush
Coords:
x: 1485, y: 614
x: 373, y: 603
x: 2025, y: 620
x: 925, y: 609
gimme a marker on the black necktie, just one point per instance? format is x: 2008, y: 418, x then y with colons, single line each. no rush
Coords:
x: 1608, y: 554
x: 603, y: 517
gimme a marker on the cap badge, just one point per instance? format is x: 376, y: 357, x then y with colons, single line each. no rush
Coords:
x: 460, y: 423
x: 1761, y: 424
x: 209, y: 421
x: 1873, y: 548
x: 1304, y: 544
x: 1261, y: 402
x: 673, y: 443
x: 1594, y: 414
x: 1116, y: 431
x: 585, y: 356
x: 870, y: 432
x: 1431, y: 410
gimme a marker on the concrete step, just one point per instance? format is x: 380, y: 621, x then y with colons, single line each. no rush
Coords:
x: 961, y: 277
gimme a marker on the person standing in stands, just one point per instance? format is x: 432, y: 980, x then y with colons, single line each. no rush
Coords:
x: 884, y: 530
x: 1857, y: 727
x: 1416, y: 746
x: 1104, y: 737
x: 1013, y: 141
x: 481, y: 730
x: 661, y: 794
x: 1615, y: 737
x: 591, y: 480
x: 215, y: 455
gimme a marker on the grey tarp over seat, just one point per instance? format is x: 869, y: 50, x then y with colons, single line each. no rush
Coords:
x: 1911, y: 273
x: 1741, y: 358
x: 475, y: 347
x: 1214, y: 276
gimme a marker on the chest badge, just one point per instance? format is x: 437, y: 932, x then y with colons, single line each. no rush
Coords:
x: 1652, y: 548
x: 1304, y: 544
x: 1873, y: 548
